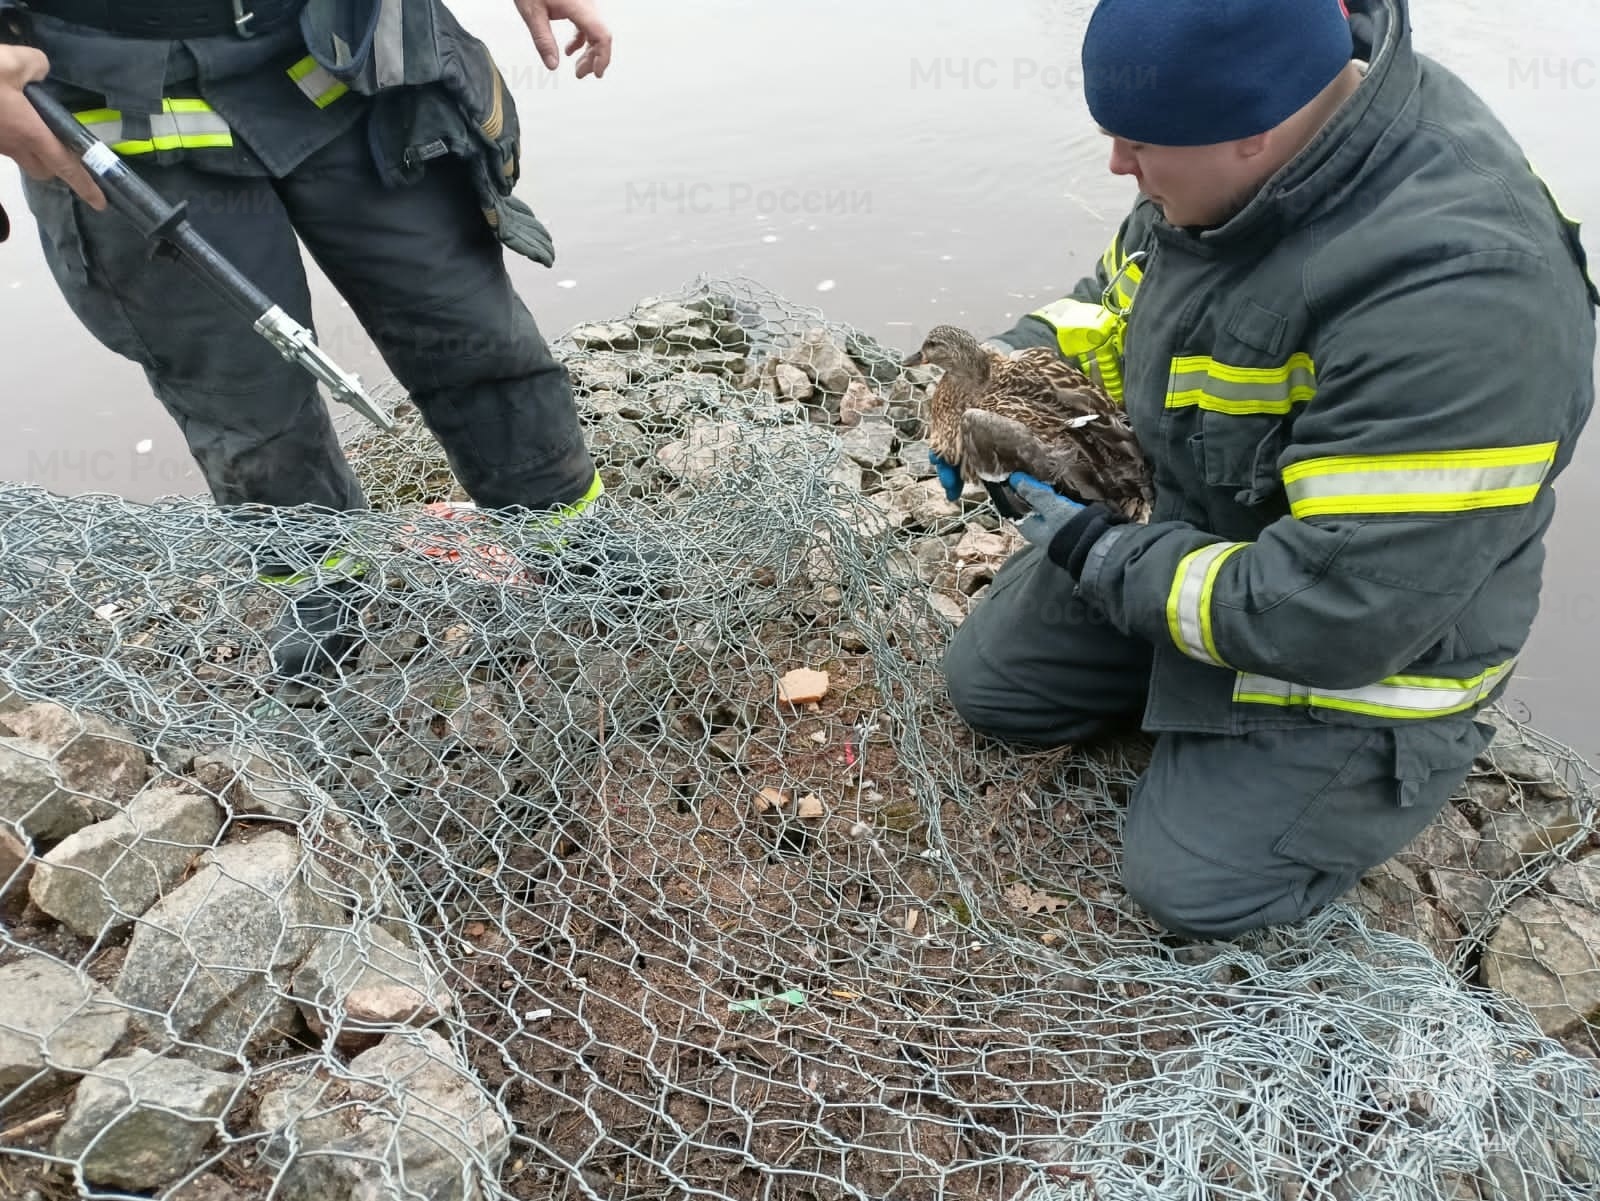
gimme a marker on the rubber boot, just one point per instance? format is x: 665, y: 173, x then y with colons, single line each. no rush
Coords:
x: 318, y: 633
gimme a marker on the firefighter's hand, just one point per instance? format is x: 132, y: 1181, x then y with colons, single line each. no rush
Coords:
x: 591, y: 32
x: 23, y: 134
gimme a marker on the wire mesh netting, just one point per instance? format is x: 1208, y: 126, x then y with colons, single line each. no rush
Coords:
x: 645, y: 857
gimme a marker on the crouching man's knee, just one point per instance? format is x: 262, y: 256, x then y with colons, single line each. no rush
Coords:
x: 1195, y: 885
x: 983, y: 701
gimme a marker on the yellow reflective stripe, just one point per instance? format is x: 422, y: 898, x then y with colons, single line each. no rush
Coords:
x: 103, y: 123
x: 1189, y: 601
x: 339, y: 564
x: 1393, y: 697
x: 596, y: 490
x: 1449, y: 481
x: 1108, y: 260
x: 183, y: 124
x: 1121, y: 276
x: 1199, y: 380
x: 188, y: 125
x: 318, y: 84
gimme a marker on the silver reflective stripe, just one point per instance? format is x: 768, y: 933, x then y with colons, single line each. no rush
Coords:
x: 1223, y: 388
x: 1397, y: 696
x: 1189, y: 601
x: 319, y: 85
x: 185, y: 126
x: 1451, y: 481
x: 109, y: 132
x: 389, y: 44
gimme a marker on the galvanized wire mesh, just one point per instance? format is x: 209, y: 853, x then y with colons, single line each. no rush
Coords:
x: 569, y: 887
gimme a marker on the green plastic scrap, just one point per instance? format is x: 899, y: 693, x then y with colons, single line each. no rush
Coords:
x: 794, y: 997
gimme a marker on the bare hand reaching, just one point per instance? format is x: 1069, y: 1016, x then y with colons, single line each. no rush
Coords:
x: 26, y: 138
x: 591, y: 32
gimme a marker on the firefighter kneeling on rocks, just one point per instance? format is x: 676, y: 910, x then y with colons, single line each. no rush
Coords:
x: 1355, y: 337
x: 396, y: 173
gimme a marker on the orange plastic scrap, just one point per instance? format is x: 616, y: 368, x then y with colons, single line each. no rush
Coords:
x: 486, y: 560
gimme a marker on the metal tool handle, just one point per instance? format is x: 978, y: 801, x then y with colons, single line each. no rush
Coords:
x: 156, y: 219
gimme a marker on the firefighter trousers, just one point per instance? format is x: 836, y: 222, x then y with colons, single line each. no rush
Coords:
x: 1223, y: 834
x: 420, y: 269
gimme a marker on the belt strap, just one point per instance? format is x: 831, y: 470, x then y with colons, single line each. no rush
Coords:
x: 173, y: 18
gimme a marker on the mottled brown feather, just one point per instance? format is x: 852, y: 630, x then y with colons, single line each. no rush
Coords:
x: 993, y: 414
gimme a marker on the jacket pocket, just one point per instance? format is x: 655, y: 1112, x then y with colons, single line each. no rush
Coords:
x: 1239, y: 453
x: 55, y: 210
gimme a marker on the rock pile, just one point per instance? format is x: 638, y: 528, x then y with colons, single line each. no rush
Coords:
x: 176, y: 928
x: 218, y: 970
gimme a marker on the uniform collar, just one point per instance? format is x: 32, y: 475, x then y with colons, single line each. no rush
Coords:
x: 1373, y: 117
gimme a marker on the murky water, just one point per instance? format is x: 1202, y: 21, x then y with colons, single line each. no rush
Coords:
x: 931, y: 158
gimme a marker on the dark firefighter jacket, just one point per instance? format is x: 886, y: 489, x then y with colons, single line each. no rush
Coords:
x: 263, y: 104
x: 1355, y: 394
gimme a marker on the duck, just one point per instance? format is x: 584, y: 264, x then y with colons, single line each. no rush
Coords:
x: 991, y: 414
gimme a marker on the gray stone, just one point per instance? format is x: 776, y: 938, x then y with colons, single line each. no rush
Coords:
x: 824, y: 361
x: 16, y: 863
x: 213, y: 957
x: 791, y: 383
x: 1450, y: 840
x: 1546, y: 953
x: 606, y: 335
x: 93, y: 756
x: 710, y: 449
x: 914, y: 460
x: 729, y: 364
x: 408, y: 1108
x: 848, y: 474
x: 1578, y: 882
x: 254, y: 784
x: 362, y: 983
x: 34, y: 797
x: 859, y: 401
x: 107, y: 874
x: 869, y: 443
x: 695, y: 335
x: 1513, y: 839
x: 1513, y: 754
x: 654, y: 320
x: 142, y: 1121
x: 67, y: 1025
x: 922, y: 505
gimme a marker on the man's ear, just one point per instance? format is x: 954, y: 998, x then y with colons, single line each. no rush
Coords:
x: 1252, y: 147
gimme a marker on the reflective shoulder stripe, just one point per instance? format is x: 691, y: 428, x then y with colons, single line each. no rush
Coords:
x: 319, y: 86
x: 1108, y: 258
x: 1199, y: 380
x: 1123, y: 285
x: 1450, y: 481
x: 1189, y: 601
x: 1394, y: 697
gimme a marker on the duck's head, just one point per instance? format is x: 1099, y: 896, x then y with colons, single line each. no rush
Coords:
x: 956, y: 351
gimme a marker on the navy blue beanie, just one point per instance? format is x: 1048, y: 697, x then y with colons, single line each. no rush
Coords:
x: 1197, y: 72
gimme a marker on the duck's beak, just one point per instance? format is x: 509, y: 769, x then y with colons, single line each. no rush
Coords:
x: 914, y: 359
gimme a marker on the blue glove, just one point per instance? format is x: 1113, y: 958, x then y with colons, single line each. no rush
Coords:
x: 949, y: 476
x: 1062, y: 528
x: 1049, y: 510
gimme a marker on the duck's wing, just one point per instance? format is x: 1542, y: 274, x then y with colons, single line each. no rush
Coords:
x: 996, y: 446
x: 1083, y: 458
